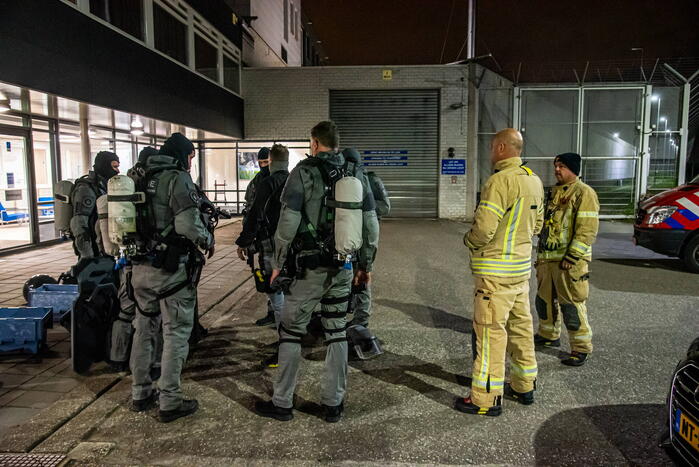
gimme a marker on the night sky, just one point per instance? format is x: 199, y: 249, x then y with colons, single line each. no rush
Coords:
x: 396, y: 32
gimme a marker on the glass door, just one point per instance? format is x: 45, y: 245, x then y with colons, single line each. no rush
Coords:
x: 15, y: 190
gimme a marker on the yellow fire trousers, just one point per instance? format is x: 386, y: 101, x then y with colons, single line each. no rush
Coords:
x: 502, y: 323
x: 563, y: 293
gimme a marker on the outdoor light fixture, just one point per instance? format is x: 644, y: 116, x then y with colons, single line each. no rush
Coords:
x: 616, y: 135
x: 662, y: 119
x: 136, y: 123
x: 654, y: 98
x: 137, y: 131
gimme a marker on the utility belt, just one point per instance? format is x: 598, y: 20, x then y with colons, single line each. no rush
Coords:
x: 194, y: 262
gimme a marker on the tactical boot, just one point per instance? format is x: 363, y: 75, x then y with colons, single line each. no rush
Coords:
x: 575, y: 359
x: 272, y: 361
x: 266, y: 321
x: 544, y: 342
x: 269, y: 410
x: 188, y: 407
x: 333, y: 413
x: 141, y: 405
x: 466, y: 406
x: 524, y: 398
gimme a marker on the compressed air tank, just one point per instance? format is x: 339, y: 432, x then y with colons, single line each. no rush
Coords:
x: 121, y: 208
x: 62, y: 207
x: 102, y: 227
x: 348, y: 215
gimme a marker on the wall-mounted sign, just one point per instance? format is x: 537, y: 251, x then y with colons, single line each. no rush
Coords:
x: 453, y: 166
x: 387, y: 75
x: 385, y: 158
x: 389, y: 151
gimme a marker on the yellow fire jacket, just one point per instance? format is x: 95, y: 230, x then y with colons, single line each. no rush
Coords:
x: 510, y: 212
x: 571, y: 223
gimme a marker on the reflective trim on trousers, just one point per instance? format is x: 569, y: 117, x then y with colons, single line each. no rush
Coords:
x: 524, y: 370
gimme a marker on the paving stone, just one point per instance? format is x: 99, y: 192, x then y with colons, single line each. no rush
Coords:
x: 9, y: 396
x: 36, y: 399
x: 12, y: 381
x: 10, y: 416
x: 51, y: 383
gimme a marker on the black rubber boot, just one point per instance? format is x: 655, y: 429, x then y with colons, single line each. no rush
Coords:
x: 333, y: 413
x: 269, y: 410
x: 272, y: 361
x: 188, y: 407
x: 575, y: 359
x: 141, y: 405
x: 544, y: 342
x: 466, y: 406
x: 524, y: 398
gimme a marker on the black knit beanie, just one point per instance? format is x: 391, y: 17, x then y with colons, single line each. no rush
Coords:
x: 103, y: 164
x: 570, y: 160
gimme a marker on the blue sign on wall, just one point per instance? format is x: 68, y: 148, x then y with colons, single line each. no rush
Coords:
x: 453, y: 166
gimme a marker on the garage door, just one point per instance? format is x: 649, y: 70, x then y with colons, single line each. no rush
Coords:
x: 397, y: 134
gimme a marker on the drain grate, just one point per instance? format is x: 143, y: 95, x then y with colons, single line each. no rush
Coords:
x: 30, y: 460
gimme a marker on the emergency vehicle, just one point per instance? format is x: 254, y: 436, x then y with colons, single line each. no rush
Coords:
x: 668, y: 223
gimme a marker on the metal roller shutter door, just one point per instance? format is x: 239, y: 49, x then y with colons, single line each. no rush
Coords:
x: 397, y: 134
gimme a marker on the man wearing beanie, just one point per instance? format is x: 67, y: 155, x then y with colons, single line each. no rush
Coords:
x: 84, y: 199
x: 258, y: 229
x: 164, y: 281
x: 564, y: 252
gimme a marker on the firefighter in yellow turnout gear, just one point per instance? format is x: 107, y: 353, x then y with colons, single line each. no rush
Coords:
x: 509, y: 214
x: 564, y: 252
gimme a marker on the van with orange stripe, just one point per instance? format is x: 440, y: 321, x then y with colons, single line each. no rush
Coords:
x: 668, y: 223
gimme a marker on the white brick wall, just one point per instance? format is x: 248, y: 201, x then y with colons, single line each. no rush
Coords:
x: 285, y: 103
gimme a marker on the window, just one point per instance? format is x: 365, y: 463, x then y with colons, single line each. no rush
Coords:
x: 68, y: 109
x: 285, y: 56
x: 292, y: 19
x: 206, y: 58
x: 170, y: 34
x: 286, y: 20
x: 126, y: 15
x: 231, y: 74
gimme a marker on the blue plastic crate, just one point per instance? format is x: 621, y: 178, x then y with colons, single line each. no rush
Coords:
x: 60, y: 297
x: 24, y: 328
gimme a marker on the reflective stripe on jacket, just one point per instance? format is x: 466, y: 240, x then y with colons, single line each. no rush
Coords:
x: 509, y: 214
x: 571, y: 225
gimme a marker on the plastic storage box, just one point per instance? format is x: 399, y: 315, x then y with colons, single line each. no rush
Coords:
x: 24, y: 328
x: 60, y: 297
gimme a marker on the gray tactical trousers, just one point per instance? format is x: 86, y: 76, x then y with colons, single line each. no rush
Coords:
x: 177, y: 319
x: 361, y: 305
x: 330, y: 288
x: 122, y: 328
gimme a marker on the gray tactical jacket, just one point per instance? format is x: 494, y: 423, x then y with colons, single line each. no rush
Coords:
x: 304, y: 191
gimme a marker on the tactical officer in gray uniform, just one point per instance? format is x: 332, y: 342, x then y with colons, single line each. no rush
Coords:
x: 165, y: 280
x: 87, y: 189
x: 361, y: 298
x: 319, y: 277
x: 122, y: 328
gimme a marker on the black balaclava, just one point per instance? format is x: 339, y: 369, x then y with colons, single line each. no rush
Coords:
x: 145, y: 154
x: 103, y: 164
x: 570, y: 160
x: 179, y: 147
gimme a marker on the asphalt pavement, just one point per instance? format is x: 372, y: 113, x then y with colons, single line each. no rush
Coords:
x: 642, y: 309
